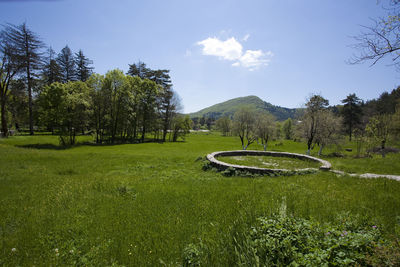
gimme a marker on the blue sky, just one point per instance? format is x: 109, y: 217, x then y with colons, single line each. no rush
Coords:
x: 281, y: 50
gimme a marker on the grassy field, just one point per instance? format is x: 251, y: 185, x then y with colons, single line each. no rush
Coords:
x: 143, y: 204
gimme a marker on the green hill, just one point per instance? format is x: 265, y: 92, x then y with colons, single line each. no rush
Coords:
x: 228, y: 108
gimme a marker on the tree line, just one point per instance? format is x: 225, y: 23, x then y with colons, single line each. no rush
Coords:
x: 61, y: 93
x: 372, y: 123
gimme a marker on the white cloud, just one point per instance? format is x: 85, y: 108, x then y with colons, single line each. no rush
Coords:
x: 232, y: 50
x: 253, y: 59
x: 229, y: 49
x: 246, y: 37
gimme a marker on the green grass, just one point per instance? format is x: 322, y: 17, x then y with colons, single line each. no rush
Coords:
x: 270, y: 162
x: 142, y: 204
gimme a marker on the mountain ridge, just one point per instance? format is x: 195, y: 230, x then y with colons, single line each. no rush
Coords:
x: 229, y: 107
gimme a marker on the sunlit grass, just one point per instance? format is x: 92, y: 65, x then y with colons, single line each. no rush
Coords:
x: 142, y: 204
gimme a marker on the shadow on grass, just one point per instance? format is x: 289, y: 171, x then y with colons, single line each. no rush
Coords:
x: 60, y: 147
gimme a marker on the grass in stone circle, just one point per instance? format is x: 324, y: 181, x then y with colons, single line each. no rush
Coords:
x: 142, y: 204
x: 270, y: 162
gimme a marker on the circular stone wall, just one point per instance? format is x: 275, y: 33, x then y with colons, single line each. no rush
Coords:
x: 325, y: 165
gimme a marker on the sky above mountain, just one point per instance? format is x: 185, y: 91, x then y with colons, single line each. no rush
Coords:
x: 281, y: 51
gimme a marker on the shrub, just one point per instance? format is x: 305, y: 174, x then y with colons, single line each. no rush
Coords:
x: 282, y: 240
x: 229, y: 172
x: 193, y: 255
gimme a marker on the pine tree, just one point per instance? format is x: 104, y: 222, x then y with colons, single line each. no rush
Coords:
x: 65, y: 60
x: 28, y: 47
x: 10, y: 66
x: 351, y: 113
x: 51, y: 71
x: 139, y: 69
x: 83, y: 68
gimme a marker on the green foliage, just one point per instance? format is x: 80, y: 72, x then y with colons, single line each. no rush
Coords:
x: 281, y: 240
x: 379, y: 129
x: 180, y: 127
x: 224, y: 124
x: 312, y: 121
x: 65, y: 107
x: 287, y: 129
x: 127, y: 108
x: 265, y: 128
x: 192, y: 255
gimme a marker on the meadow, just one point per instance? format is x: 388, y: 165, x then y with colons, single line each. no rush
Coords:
x: 146, y: 204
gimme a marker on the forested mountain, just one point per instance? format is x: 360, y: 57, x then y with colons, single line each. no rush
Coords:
x: 228, y: 108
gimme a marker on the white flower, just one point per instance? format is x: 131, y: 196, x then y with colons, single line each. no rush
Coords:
x: 56, y: 250
x: 13, y: 250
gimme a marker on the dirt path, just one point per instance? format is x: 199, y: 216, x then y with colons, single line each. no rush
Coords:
x: 369, y: 175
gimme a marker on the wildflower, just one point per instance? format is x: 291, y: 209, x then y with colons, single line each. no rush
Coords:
x: 374, y: 226
x: 13, y: 250
x: 56, y: 250
x: 71, y: 251
x: 328, y: 233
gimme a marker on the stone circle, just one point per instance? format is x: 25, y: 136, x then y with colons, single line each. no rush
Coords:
x: 325, y: 165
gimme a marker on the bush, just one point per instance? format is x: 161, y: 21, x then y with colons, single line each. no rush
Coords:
x: 194, y: 255
x: 282, y: 240
x: 229, y: 172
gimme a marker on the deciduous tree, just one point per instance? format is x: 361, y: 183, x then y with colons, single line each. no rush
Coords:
x: 224, y: 124
x: 65, y: 107
x: 312, y: 120
x: 379, y: 129
x: 181, y: 126
x: 381, y: 39
x: 328, y: 132
x: 265, y: 128
x: 244, y: 126
x: 287, y: 129
x: 150, y: 92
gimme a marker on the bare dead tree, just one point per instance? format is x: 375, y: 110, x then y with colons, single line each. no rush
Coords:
x: 380, y: 40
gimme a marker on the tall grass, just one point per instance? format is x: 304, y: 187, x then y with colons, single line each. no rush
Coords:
x: 143, y: 204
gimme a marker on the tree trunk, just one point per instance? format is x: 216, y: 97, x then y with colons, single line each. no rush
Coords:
x: 383, y: 147
x: 166, y: 123
x: 320, y: 150
x: 241, y: 140
x: 309, y: 143
x: 4, y: 128
x: 143, y: 131
x: 30, y: 102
